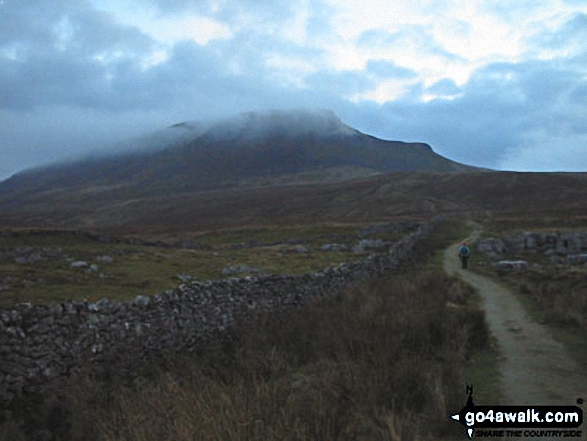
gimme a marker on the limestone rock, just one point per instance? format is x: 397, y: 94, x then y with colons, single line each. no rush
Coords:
x: 512, y: 265
x: 104, y: 259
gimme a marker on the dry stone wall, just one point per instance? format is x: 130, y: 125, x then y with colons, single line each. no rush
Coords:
x: 41, y: 343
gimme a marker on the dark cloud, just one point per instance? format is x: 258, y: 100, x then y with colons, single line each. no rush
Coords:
x: 73, y: 80
x: 501, y: 108
x: 66, y: 53
x: 72, y: 26
x: 78, y: 56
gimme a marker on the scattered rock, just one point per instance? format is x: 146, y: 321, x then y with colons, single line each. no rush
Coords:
x: 512, y: 265
x: 372, y: 244
x: 515, y: 329
x: 56, y: 337
x: 234, y: 269
x: 21, y: 260
x: 334, y: 247
x: 104, y: 259
x: 185, y: 277
x: 575, y: 259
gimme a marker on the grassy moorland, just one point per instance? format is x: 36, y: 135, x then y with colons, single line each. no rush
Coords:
x: 385, y: 361
x: 46, y: 275
x: 525, y: 198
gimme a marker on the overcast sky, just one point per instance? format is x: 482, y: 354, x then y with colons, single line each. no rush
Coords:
x: 500, y: 84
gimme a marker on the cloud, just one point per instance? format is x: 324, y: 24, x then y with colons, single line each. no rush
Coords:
x: 495, y: 119
x: 572, y: 34
x: 413, y: 36
x: 543, y: 151
x: 388, y: 69
x: 342, y: 83
x: 444, y: 87
x: 100, y: 70
x: 66, y: 53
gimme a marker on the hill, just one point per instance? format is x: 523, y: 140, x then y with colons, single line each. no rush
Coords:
x: 527, y: 197
x: 277, y: 168
x: 252, y: 149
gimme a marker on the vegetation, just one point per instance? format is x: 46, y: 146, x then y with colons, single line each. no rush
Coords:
x: 553, y: 294
x: 148, y: 270
x: 557, y: 293
x: 501, y: 226
x: 384, y: 361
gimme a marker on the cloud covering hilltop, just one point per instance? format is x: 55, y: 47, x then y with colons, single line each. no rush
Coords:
x: 495, y: 85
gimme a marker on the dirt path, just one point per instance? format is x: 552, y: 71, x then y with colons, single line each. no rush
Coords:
x: 535, y: 369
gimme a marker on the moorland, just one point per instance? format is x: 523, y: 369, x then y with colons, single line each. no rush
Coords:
x: 387, y: 360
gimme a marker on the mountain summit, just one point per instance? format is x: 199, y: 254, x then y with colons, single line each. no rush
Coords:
x: 268, y: 126
x: 251, y: 149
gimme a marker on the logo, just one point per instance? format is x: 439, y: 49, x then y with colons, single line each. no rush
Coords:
x: 519, y: 421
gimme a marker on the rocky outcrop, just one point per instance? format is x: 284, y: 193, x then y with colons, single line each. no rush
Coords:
x: 560, y: 246
x: 42, y: 343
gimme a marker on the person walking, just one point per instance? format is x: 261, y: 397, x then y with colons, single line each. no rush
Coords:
x: 464, y: 254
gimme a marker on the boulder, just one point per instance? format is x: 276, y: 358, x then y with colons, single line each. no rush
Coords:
x: 493, y: 248
x: 511, y: 265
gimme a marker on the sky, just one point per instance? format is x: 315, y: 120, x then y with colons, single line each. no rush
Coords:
x: 491, y: 83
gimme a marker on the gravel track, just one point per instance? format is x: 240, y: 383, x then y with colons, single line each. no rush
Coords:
x: 535, y: 369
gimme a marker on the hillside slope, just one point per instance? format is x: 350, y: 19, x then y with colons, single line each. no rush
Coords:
x: 253, y: 149
x: 525, y: 196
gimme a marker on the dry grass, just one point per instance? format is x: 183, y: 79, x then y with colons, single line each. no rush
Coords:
x: 382, y: 362
x: 562, y: 299
x: 377, y: 199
